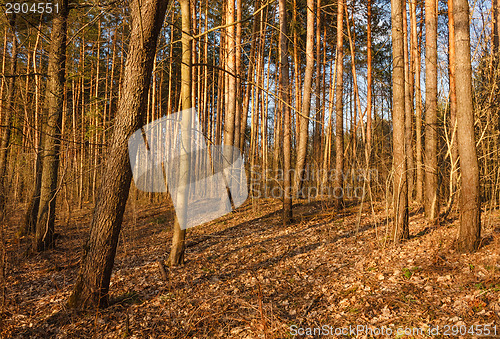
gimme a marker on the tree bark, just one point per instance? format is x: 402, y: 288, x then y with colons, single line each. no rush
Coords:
x: 230, y: 113
x: 400, y: 201
x: 431, y: 123
x: 453, y: 104
x: 415, y: 49
x: 44, y: 234
x: 285, y: 102
x: 469, y: 235
x: 5, y: 130
x: 338, y: 185
x: 408, y: 111
x: 92, y: 285
x: 306, y: 100
x: 369, y: 82
x: 176, y: 256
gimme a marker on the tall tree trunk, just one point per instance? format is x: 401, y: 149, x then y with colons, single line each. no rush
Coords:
x: 318, y: 123
x: 496, y: 24
x: 249, y: 88
x: 453, y: 105
x: 285, y: 98
x: 5, y: 130
x: 400, y: 201
x: 176, y: 256
x: 469, y: 235
x: 29, y: 222
x: 418, y: 103
x: 338, y: 184
x: 237, y: 69
x: 306, y: 100
x: 408, y: 111
x: 431, y: 123
x: 92, y: 285
x: 54, y: 97
x: 369, y: 82
x: 230, y: 95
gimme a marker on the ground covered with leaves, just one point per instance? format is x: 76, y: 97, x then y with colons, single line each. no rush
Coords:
x: 248, y: 276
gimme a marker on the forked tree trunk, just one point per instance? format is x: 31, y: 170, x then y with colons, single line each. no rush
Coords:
x: 176, y: 256
x: 470, y: 205
x: 400, y: 201
x: 431, y: 122
x: 92, y: 285
x: 44, y: 234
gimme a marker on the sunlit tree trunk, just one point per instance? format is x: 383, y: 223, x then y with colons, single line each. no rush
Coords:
x: 285, y: 97
x: 453, y: 105
x: 408, y: 111
x: 92, y: 284
x: 470, y: 205
x: 338, y: 184
x: 176, y: 256
x: 52, y: 132
x: 369, y: 81
x: 400, y: 201
x: 306, y: 100
x: 431, y: 122
x: 230, y: 90
x: 7, y: 117
x: 415, y: 50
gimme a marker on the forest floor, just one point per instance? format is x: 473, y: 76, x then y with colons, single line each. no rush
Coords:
x: 248, y: 276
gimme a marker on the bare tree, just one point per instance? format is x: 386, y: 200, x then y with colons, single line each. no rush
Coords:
x: 470, y: 205
x: 285, y: 98
x: 431, y: 122
x: 339, y: 109
x: 176, y: 256
x: 415, y: 52
x: 44, y: 234
x: 400, y: 201
x: 92, y: 284
x: 306, y: 100
x: 369, y: 80
x: 6, y: 128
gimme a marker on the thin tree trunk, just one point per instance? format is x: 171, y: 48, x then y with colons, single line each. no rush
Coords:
x: 44, y: 238
x: 338, y: 185
x: 285, y: 97
x: 369, y: 82
x: 408, y: 112
x: 400, y: 229
x: 176, y: 256
x: 318, y: 123
x: 230, y: 113
x: 29, y: 223
x: 453, y: 106
x: 5, y: 130
x: 418, y: 103
x: 306, y: 101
